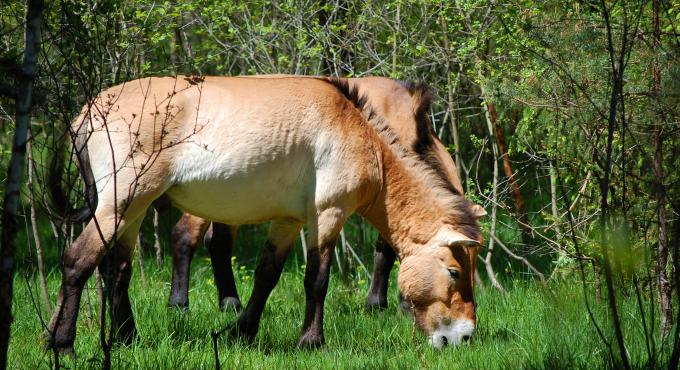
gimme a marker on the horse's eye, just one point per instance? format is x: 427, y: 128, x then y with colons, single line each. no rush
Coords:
x: 455, y: 274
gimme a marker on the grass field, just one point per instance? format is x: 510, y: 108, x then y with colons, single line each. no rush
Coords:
x: 529, y: 327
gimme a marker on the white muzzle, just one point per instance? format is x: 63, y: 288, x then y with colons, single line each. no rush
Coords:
x: 452, y: 334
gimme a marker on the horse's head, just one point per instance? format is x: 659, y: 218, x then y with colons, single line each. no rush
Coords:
x: 437, y: 282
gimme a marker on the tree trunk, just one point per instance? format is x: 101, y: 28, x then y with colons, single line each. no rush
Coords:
x: 662, y: 279
x: 15, y: 170
x: 451, y: 87
x: 675, y: 356
x: 157, y: 239
x: 553, y: 199
x: 507, y: 169
x: 345, y: 257
x: 36, y: 233
x: 140, y: 260
x: 489, y: 116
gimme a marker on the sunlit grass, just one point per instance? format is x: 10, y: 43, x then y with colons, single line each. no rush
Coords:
x: 530, y: 327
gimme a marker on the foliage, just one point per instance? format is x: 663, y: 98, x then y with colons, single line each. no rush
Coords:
x: 547, y: 67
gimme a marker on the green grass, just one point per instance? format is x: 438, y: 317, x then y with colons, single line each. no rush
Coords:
x: 530, y: 327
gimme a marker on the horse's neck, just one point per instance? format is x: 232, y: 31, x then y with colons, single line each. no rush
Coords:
x: 403, y: 211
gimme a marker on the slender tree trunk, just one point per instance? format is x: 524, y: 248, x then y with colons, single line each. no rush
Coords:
x: 15, y: 171
x: 494, y: 195
x: 553, y: 199
x: 396, y: 30
x: 140, y: 260
x: 303, y: 242
x: 345, y: 257
x: 88, y: 304
x: 617, y: 82
x: 157, y: 239
x: 451, y: 87
x: 36, y: 232
x: 662, y: 279
x: 675, y: 356
x: 520, y: 208
x: 451, y: 95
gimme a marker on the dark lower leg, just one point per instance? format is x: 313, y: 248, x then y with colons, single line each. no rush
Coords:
x: 183, y: 246
x: 116, y: 271
x: 220, y: 244
x: 316, y: 287
x: 383, y: 260
x: 62, y: 326
x: 267, y: 274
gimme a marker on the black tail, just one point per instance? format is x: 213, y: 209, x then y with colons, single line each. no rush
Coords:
x: 60, y: 205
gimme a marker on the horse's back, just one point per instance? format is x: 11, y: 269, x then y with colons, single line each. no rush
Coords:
x: 235, y: 150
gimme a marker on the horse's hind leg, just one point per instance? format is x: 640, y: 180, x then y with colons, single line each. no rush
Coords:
x: 282, y: 235
x: 79, y: 262
x: 220, y: 241
x: 183, y: 241
x: 383, y: 260
x: 116, y: 270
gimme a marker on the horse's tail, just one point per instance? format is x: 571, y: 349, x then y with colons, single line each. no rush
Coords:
x: 58, y: 192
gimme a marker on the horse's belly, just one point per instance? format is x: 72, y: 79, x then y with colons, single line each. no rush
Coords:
x: 238, y: 191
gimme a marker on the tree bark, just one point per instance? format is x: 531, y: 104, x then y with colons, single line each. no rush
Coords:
x: 15, y: 170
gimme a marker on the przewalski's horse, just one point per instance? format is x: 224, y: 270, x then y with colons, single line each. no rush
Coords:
x: 289, y: 150
x: 402, y: 105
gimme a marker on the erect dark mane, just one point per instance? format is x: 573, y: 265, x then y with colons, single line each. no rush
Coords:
x: 351, y: 93
x: 424, y: 145
x: 422, y: 95
x: 421, y: 155
x: 421, y: 159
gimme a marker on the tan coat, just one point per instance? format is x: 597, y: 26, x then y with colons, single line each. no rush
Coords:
x: 289, y: 150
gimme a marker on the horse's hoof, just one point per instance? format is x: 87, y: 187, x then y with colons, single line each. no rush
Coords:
x: 311, y: 341
x: 405, y: 308
x: 67, y: 351
x: 230, y: 304
x: 374, y: 303
x: 125, y: 336
x: 179, y: 306
x: 242, y: 333
x: 50, y: 345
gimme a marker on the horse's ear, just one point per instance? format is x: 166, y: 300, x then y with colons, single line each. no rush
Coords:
x: 478, y: 211
x: 455, y: 238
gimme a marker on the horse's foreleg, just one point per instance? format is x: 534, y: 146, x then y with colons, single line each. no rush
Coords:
x: 321, y: 243
x: 220, y: 242
x: 183, y: 241
x: 281, y: 237
x: 383, y: 260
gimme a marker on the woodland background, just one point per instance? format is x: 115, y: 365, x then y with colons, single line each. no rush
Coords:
x: 562, y: 116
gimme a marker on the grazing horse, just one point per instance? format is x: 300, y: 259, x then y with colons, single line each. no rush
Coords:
x: 291, y: 150
x: 402, y: 105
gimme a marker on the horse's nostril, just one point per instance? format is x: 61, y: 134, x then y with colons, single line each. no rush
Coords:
x: 445, y: 341
x: 466, y: 338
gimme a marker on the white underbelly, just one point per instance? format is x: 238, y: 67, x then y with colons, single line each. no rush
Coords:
x: 238, y: 189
